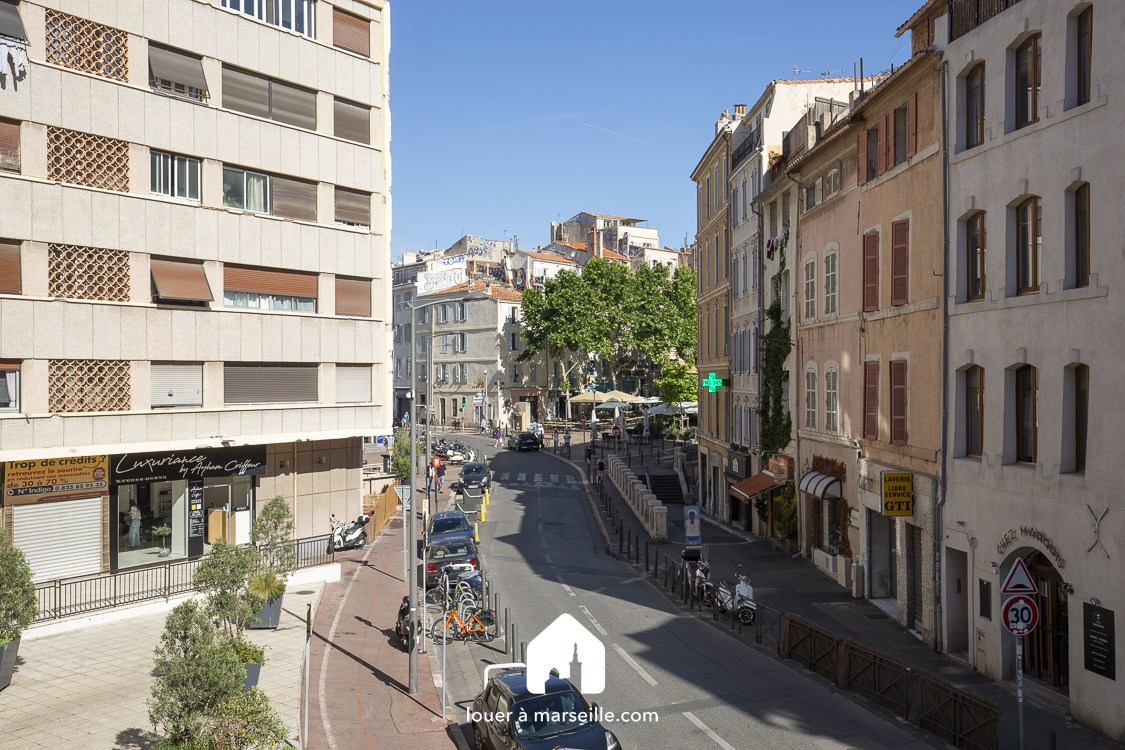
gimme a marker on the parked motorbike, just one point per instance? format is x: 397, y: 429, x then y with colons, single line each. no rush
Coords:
x: 402, y: 625
x: 741, y: 600
x: 348, y: 537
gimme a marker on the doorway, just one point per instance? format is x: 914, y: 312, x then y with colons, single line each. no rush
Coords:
x: 228, y: 509
x: 1047, y: 649
x: 884, y: 557
x: 957, y: 603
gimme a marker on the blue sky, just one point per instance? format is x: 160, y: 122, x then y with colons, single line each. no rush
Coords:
x: 508, y: 115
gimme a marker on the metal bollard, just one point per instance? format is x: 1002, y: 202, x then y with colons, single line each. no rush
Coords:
x: 620, y: 536
x: 655, y: 562
x: 495, y: 602
x: 646, y: 556
x: 515, y: 640
x: 507, y: 627
x: 523, y: 652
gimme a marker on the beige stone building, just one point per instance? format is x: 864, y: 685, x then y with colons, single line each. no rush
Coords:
x: 196, y: 295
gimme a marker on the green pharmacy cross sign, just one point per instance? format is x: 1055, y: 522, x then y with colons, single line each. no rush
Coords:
x: 713, y: 382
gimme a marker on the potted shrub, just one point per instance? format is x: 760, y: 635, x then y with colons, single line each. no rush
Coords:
x: 252, y: 657
x: 273, y: 534
x: 18, y: 605
x: 224, y: 578
x: 163, y: 531
x: 247, y: 722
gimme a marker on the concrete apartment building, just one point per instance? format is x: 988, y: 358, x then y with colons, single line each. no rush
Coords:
x: 1035, y: 226
x: 196, y: 283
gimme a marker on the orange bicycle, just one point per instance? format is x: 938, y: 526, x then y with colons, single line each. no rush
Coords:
x: 478, y: 625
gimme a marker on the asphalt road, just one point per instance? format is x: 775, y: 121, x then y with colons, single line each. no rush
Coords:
x: 546, y: 556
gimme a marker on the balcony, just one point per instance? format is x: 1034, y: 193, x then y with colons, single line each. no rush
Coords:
x: 744, y: 149
x: 966, y: 15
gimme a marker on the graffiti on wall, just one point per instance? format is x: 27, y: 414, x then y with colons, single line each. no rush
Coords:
x: 481, y: 248
x: 443, y: 278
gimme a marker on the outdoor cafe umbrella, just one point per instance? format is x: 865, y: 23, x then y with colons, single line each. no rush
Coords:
x: 611, y: 405
x: 619, y: 396
x: 590, y: 397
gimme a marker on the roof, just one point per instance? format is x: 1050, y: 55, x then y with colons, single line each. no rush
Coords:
x: 573, y: 245
x: 611, y: 216
x: 615, y: 256
x: 496, y: 290
x: 548, y: 256
x: 919, y: 15
x: 516, y: 682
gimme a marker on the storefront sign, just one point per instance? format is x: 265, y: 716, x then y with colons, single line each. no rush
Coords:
x: 195, y: 517
x: 47, y: 479
x: 1039, y: 536
x: 1099, y: 644
x: 204, y: 463
x: 898, y: 493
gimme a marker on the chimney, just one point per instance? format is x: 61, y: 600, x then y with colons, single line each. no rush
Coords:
x: 740, y: 110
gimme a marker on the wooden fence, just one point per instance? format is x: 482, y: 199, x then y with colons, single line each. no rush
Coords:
x: 380, y: 507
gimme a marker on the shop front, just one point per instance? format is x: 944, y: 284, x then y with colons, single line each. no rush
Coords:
x: 176, y: 504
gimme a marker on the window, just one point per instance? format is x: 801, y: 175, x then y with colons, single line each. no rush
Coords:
x: 464, y: 373
x: 871, y: 400
x: 249, y: 191
x: 532, y: 369
x: 898, y: 402
x: 296, y: 15
x: 831, y: 401
x: 88, y: 385
x: 974, y: 410
x: 861, y: 166
x: 830, y: 305
x: 871, y: 272
x: 975, y: 246
x: 176, y: 385
x: 293, y: 199
x: 832, y: 183
x: 1085, y: 23
x: 900, y: 262
x: 174, y: 175
x: 1027, y: 403
x: 9, y: 385
x: 77, y: 272
x: 460, y: 342
x: 810, y: 289
x: 1081, y: 414
x: 810, y: 197
x: 985, y: 609
x: 269, y: 384
x: 734, y: 211
x: 810, y: 399
x: 10, y: 23
x: 79, y: 44
x: 264, y: 289
x: 253, y: 94
x: 734, y: 278
x: 1082, y: 235
x: 517, y: 372
x: 353, y: 297
x: 445, y: 343
x: 726, y: 329
x: 90, y: 160
x: 442, y: 313
x: 9, y: 145
x: 353, y: 384
x: 1029, y: 66
x: 353, y: 207
x: 1029, y: 244
x: 10, y: 275
x: 176, y: 72
x: 899, y: 153
x: 754, y: 348
x: 351, y: 32
x: 974, y: 107
x: 873, y: 150
x: 179, y: 282
x: 708, y: 191
x: 708, y: 338
x: 351, y: 121
x: 514, y: 341
x: 459, y: 311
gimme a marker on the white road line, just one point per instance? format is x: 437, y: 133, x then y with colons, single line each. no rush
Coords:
x: 597, y: 625
x: 538, y: 477
x: 570, y: 479
x: 565, y: 586
x: 521, y: 477
x: 554, y: 478
x: 504, y: 476
x: 708, y: 731
x: 547, y: 558
x: 640, y: 670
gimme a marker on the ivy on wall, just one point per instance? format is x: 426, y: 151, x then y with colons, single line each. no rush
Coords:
x: 777, y: 422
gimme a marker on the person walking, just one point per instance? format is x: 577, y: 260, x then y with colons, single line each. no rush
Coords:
x: 429, y: 479
x: 440, y: 479
x: 566, y: 443
x: 134, y: 526
x: 497, y: 437
x: 556, y: 441
x: 601, y: 470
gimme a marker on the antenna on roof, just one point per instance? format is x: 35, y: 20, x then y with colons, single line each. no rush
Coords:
x: 826, y: 73
x: 798, y: 71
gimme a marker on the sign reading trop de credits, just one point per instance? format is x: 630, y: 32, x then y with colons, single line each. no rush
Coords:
x: 54, y: 479
x: 898, y: 493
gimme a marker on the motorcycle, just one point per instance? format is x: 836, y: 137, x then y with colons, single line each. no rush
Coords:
x: 348, y: 537
x: 741, y: 599
x: 402, y: 625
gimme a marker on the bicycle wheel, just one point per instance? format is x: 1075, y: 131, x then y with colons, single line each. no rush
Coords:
x: 485, y: 619
x: 434, y: 595
x: 443, y: 631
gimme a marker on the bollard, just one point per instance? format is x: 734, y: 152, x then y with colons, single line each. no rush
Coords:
x: 507, y: 627
x: 655, y: 562
x: 476, y: 530
x: 495, y: 601
x: 620, y: 536
x: 646, y: 557
x: 523, y: 652
x: 515, y: 640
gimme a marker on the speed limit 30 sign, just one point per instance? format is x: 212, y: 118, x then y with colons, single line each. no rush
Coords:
x: 1020, y: 615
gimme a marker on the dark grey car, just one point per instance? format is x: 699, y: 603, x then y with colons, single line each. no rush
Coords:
x: 459, y: 552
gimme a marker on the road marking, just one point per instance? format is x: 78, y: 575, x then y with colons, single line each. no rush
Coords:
x: 554, y: 478
x: 505, y: 475
x: 565, y: 586
x: 595, y: 623
x: 570, y: 479
x: 632, y: 663
x: 547, y: 558
x: 521, y: 477
x: 708, y: 731
x: 538, y: 477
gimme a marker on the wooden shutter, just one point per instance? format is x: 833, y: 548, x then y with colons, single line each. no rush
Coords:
x: 861, y: 158
x: 351, y: 32
x: 352, y: 121
x: 353, y: 297
x: 883, y: 145
x: 871, y: 272
x: 177, y: 67
x: 871, y: 400
x: 176, y: 385
x: 10, y: 267
x: 353, y: 206
x: 292, y: 105
x: 911, y: 126
x: 9, y: 145
x: 353, y: 384
x: 262, y: 281
x: 269, y: 384
x: 294, y: 199
x: 898, y: 402
x: 900, y: 262
x: 245, y: 92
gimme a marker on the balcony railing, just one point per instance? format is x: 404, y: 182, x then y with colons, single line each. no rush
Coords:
x: 966, y: 15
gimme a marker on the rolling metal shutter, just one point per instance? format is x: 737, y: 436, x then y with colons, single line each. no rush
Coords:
x: 353, y: 384
x: 269, y: 384
x: 294, y: 199
x: 237, y: 278
x: 351, y: 32
x: 177, y: 67
x: 10, y: 267
x: 246, y: 92
x: 9, y: 143
x: 352, y: 121
x: 292, y: 105
x: 177, y: 385
x: 353, y: 206
x: 61, y: 539
x: 353, y: 297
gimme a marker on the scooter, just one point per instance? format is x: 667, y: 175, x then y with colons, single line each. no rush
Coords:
x: 348, y: 537
x: 742, y: 599
x: 402, y: 625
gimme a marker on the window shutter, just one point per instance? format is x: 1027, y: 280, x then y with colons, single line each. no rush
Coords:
x: 353, y: 206
x: 352, y: 121
x: 861, y: 158
x: 911, y: 126
x: 180, y: 280
x: 269, y: 384
x: 262, y: 281
x: 351, y: 32
x: 900, y: 262
x: 10, y: 145
x: 353, y: 384
x: 177, y: 67
x: 353, y: 297
x: 245, y: 92
x: 871, y: 272
x: 10, y: 267
x: 898, y: 402
x: 882, y: 145
x: 176, y: 385
x: 871, y: 400
x: 294, y: 199
x: 292, y: 105
x: 10, y: 24
x: 890, y: 158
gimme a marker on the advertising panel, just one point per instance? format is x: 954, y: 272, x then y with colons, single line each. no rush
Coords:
x: 48, y: 479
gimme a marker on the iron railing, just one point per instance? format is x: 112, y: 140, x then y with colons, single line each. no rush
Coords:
x: 67, y: 597
x: 966, y: 15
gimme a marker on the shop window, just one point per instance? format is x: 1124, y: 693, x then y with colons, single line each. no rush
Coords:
x: 76, y: 272
x: 79, y: 44
x: 90, y: 160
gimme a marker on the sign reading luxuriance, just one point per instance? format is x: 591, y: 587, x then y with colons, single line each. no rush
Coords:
x: 204, y: 463
x: 898, y: 493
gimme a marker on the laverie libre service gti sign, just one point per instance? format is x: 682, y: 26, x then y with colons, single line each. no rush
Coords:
x: 898, y: 493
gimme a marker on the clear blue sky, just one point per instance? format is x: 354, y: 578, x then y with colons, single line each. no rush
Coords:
x: 506, y: 115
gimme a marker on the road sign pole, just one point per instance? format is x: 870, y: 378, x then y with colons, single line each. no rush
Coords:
x: 1019, y: 682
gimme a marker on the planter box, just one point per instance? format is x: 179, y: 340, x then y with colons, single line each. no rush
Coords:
x: 252, y: 672
x: 270, y: 615
x: 8, y: 654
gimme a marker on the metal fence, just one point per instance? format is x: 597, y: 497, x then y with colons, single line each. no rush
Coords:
x: 67, y: 597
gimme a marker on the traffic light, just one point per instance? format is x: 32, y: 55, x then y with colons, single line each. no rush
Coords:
x: 462, y: 402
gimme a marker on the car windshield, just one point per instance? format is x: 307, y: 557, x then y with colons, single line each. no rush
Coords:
x: 549, y: 715
x: 449, y: 525
x: 473, y: 469
x: 454, y: 548
x: 526, y: 436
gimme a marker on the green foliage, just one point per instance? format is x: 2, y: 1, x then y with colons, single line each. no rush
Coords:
x: 761, y: 507
x: 18, y: 604
x: 199, y: 671
x: 400, y: 455
x: 266, y: 585
x: 224, y: 578
x: 777, y: 422
x: 249, y: 653
x: 273, y: 534
x: 163, y: 531
x: 676, y: 382
x: 785, y: 513
x: 247, y: 722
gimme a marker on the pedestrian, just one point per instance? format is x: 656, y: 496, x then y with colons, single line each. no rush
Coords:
x: 497, y: 437
x: 134, y: 526
x: 429, y: 478
x: 440, y: 479
x: 566, y: 443
x: 601, y: 470
x: 556, y: 441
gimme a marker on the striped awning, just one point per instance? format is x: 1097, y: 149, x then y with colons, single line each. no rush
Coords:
x: 821, y: 486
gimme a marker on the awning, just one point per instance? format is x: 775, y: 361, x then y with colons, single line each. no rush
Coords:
x: 177, y: 67
x: 755, y: 485
x: 821, y: 486
x: 590, y: 397
x: 10, y: 24
x: 182, y: 281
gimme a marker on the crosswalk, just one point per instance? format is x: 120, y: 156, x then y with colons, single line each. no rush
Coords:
x: 568, y: 481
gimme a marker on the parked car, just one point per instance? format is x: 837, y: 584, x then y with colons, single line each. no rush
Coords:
x: 457, y: 551
x: 449, y: 523
x: 511, y: 717
x: 476, y: 476
x: 523, y: 441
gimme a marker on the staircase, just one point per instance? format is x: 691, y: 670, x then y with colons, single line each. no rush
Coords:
x: 666, y: 487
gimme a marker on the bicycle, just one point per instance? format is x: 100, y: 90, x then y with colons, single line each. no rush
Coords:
x: 479, y: 625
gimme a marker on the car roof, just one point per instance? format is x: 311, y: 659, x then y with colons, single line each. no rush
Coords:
x: 473, y: 467
x: 515, y: 683
x: 448, y: 514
